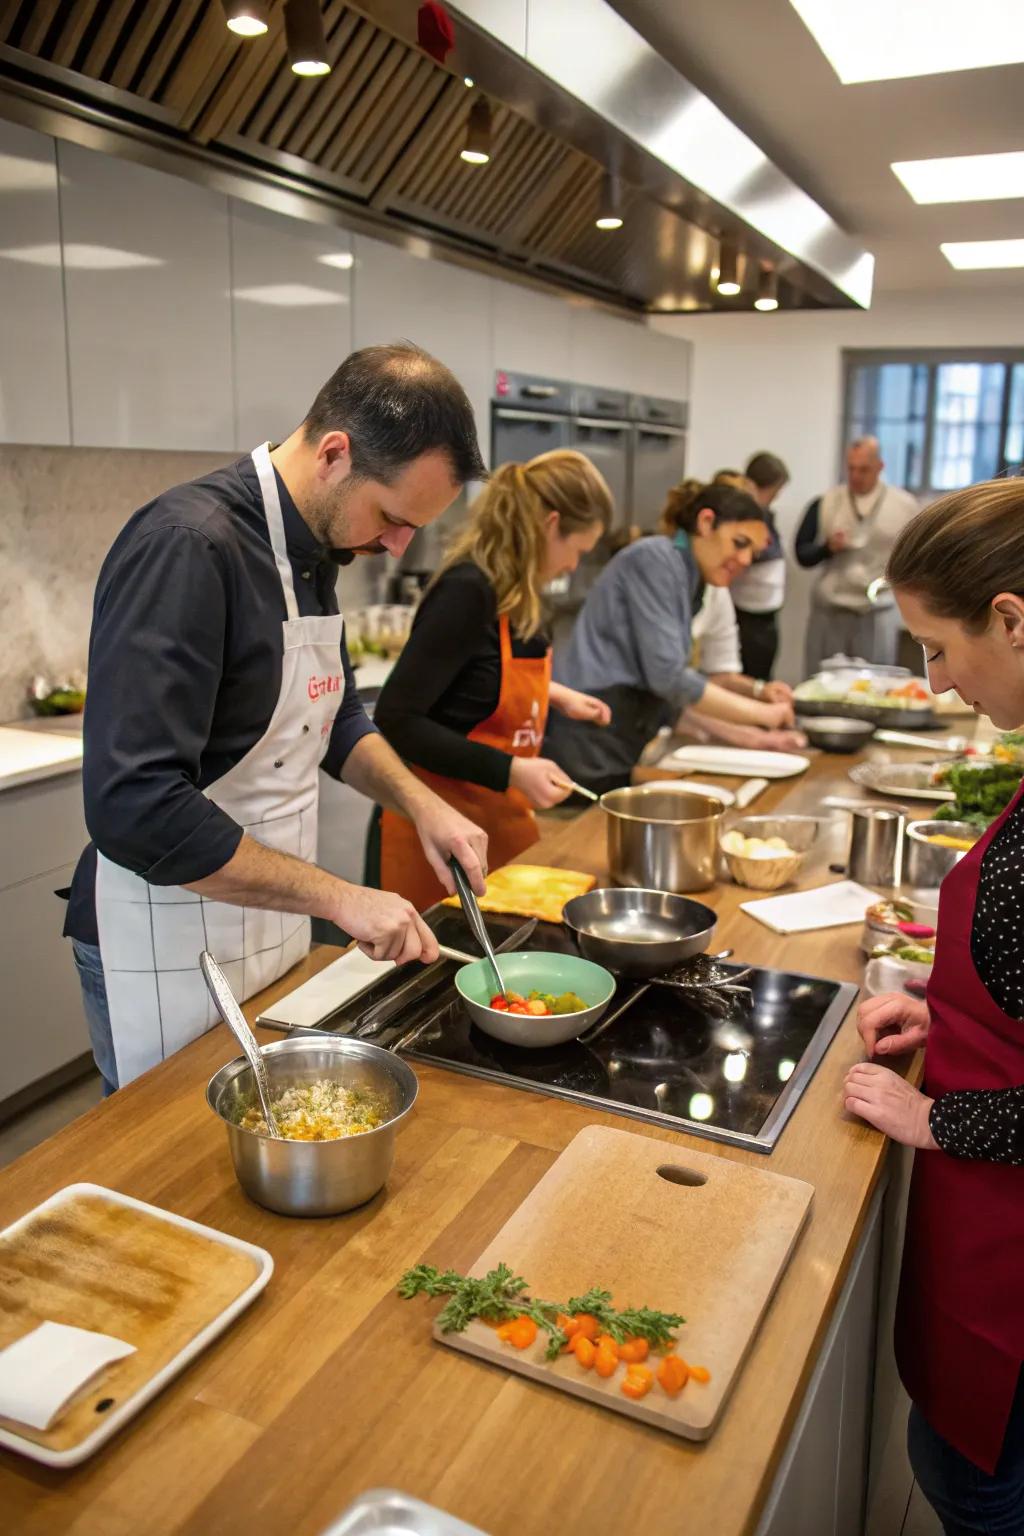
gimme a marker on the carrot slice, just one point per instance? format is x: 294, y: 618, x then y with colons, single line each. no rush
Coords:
x: 584, y: 1350
x: 638, y: 1382
x: 700, y: 1373
x: 673, y: 1374
x: 634, y: 1351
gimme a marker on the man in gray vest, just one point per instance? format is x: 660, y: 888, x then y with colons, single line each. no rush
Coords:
x: 848, y: 534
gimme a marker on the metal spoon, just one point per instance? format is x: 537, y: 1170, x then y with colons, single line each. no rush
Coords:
x: 234, y: 1018
x: 475, y: 918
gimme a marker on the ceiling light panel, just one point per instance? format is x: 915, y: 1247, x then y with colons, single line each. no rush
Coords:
x: 963, y: 178
x: 880, y: 40
x: 983, y: 255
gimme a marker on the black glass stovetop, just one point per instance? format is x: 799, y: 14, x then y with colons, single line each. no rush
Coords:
x: 735, y: 1077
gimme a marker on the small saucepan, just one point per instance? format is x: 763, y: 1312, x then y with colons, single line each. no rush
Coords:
x: 529, y: 971
x: 639, y: 932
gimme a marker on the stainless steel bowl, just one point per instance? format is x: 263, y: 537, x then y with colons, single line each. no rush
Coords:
x: 662, y: 839
x: 837, y: 733
x: 313, y: 1178
x: 925, y: 866
x: 639, y: 933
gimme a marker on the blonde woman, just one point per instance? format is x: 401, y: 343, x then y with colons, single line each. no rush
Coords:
x: 467, y: 702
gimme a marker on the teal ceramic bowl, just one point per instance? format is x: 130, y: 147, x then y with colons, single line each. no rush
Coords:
x: 529, y: 971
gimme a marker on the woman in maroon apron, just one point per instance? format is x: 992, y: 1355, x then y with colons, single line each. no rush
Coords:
x: 958, y: 575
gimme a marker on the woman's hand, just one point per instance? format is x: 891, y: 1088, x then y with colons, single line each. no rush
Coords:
x: 778, y: 741
x: 542, y: 782
x: 777, y: 717
x: 884, y: 1100
x: 892, y: 1024
x: 579, y: 706
x: 777, y: 693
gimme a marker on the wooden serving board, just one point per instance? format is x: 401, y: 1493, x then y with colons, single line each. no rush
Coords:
x: 93, y: 1258
x: 658, y: 1226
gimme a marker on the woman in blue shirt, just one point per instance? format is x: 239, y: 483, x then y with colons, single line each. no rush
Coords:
x: 631, y: 645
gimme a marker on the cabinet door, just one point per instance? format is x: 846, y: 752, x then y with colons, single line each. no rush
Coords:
x: 441, y: 307
x: 292, y: 316
x: 33, y: 347
x: 532, y: 333
x: 147, y: 278
x: 42, y: 1025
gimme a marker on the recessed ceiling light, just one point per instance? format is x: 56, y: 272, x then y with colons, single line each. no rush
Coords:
x: 963, y: 178
x: 468, y: 81
x: 880, y: 40
x: 341, y: 259
x: 982, y: 255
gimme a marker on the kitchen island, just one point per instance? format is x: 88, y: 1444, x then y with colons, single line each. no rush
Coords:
x: 330, y: 1385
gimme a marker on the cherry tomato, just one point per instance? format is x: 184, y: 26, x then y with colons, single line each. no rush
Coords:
x: 517, y: 1008
x: 535, y: 1006
x: 500, y: 1003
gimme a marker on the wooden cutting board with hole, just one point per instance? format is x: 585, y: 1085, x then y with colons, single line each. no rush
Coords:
x: 658, y: 1226
x: 97, y: 1259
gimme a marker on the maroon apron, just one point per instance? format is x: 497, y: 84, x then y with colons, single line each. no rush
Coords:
x: 960, y: 1317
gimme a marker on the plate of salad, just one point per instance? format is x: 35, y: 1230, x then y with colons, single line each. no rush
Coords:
x: 903, y: 703
x: 979, y: 788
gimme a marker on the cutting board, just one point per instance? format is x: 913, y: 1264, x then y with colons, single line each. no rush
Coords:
x: 93, y: 1258
x: 658, y: 1226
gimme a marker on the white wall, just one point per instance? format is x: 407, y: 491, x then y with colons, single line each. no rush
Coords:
x: 775, y: 382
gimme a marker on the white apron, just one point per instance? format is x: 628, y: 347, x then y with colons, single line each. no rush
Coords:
x: 151, y: 936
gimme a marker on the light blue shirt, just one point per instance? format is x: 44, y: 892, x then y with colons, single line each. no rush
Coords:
x: 635, y: 626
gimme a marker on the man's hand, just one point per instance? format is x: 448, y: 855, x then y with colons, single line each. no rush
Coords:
x: 444, y: 833
x: 542, y: 782
x: 385, y: 926
x: 884, y: 1100
x: 892, y: 1024
x: 838, y: 541
x: 778, y: 741
x: 777, y: 693
x: 579, y: 706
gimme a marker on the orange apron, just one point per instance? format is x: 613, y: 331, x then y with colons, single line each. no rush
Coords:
x: 516, y: 726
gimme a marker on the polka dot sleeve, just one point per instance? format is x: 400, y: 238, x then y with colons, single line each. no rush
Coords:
x: 986, y: 1123
x: 989, y: 1123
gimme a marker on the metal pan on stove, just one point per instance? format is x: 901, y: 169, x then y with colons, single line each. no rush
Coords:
x: 639, y: 933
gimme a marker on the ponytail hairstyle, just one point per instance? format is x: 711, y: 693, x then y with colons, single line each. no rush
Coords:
x: 689, y: 498
x: 505, y: 534
x: 962, y: 551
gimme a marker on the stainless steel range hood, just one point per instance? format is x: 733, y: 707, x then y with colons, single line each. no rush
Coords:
x: 665, y: 135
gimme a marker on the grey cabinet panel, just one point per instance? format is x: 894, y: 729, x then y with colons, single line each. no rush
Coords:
x: 42, y: 1025
x: 42, y: 826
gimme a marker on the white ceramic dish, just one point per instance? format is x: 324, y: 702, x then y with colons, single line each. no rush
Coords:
x: 738, y: 762
x: 132, y: 1405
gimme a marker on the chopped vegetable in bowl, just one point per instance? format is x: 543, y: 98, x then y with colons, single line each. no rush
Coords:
x: 321, y: 1111
x: 540, y: 1004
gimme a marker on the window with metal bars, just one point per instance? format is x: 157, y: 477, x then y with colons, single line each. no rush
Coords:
x: 943, y: 419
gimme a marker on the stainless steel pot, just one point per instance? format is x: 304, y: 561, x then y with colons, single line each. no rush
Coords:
x: 639, y: 933
x: 660, y: 838
x: 313, y: 1178
x: 926, y: 865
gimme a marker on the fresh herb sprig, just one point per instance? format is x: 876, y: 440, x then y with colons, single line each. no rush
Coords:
x: 501, y: 1294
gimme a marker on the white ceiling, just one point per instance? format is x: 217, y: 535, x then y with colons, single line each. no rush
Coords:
x: 758, y: 62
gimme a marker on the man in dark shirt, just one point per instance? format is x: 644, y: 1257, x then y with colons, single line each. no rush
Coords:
x: 219, y: 684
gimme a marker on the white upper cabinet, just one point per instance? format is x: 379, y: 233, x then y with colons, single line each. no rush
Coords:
x: 147, y: 279
x: 441, y: 307
x: 291, y: 290
x: 532, y: 333
x: 33, y: 347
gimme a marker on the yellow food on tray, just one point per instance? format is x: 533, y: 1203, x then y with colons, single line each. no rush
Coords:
x: 531, y: 890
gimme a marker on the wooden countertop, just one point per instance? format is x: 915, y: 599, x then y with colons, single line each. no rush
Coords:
x: 330, y: 1385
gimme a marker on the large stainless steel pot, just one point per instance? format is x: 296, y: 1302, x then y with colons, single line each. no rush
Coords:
x: 662, y: 838
x: 927, y: 864
x: 313, y: 1178
x: 639, y: 933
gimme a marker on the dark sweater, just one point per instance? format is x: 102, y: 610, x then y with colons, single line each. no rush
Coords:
x: 447, y: 681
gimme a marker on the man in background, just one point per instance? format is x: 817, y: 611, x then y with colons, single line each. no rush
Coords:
x: 848, y: 534
x: 758, y: 593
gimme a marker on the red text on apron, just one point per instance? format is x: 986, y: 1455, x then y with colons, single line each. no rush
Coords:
x: 516, y: 726
x: 960, y: 1320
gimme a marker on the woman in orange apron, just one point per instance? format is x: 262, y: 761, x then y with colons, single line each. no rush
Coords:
x: 957, y: 571
x: 467, y: 701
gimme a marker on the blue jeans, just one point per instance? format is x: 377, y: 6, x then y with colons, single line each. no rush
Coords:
x: 970, y: 1502
x: 97, y: 1015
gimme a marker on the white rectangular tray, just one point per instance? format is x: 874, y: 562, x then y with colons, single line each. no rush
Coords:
x: 131, y: 1406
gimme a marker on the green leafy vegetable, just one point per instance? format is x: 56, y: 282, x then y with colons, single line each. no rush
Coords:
x: 500, y: 1295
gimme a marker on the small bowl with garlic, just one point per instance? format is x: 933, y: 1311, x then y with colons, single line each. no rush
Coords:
x: 766, y: 852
